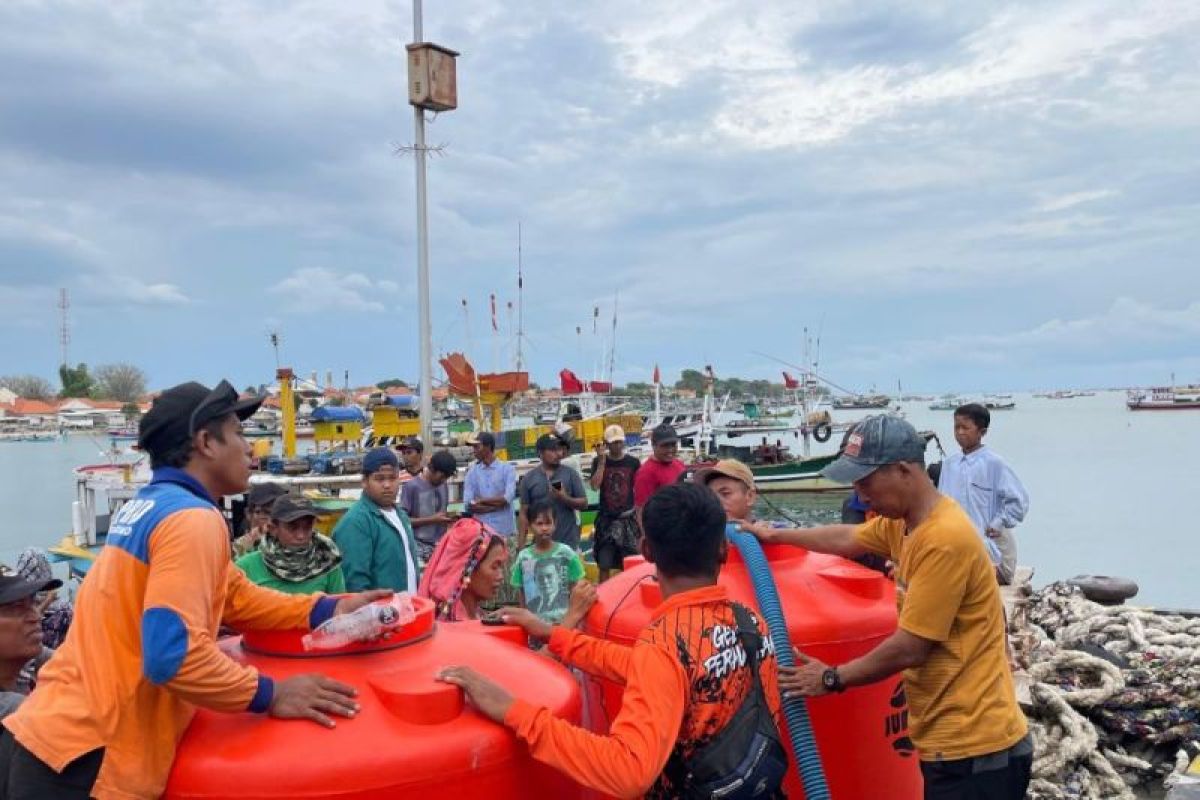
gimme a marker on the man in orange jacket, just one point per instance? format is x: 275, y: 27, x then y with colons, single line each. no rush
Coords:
x: 685, y: 678
x: 142, y: 654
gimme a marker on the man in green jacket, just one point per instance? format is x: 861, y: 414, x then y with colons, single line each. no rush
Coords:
x: 375, y: 537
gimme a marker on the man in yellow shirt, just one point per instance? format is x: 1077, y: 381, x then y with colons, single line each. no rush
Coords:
x: 972, y: 737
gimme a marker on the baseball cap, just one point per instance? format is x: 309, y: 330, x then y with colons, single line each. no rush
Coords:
x: 548, y: 441
x: 15, y: 587
x: 412, y: 443
x: 726, y: 468
x: 564, y: 431
x: 614, y: 433
x: 290, y: 507
x: 379, y: 458
x: 486, y: 438
x: 663, y: 434
x: 264, y: 494
x: 182, y: 410
x: 875, y: 442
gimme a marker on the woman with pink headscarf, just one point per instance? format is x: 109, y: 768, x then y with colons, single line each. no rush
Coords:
x: 465, y: 570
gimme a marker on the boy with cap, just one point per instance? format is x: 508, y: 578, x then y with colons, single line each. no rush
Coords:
x: 142, y: 654
x: 258, y: 516
x: 20, y: 637
x: 558, y: 484
x: 376, y: 538
x: 971, y: 736
x: 613, y: 474
x: 662, y: 468
x: 424, y: 498
x: 292, y: 558
x: 490, y: 486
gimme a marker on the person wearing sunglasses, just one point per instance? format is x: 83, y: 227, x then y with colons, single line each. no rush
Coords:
x: 114, y: 700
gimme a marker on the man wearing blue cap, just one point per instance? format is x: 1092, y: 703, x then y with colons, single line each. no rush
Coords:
x: 376, y: 538
x: 972, y: 738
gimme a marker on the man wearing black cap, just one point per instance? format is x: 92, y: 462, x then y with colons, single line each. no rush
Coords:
x: 559, y: 485
x: 142, y: 654
x: 412, y: 458
x: 971, y: 735
x: 661, y: 469
x: 20, y: 635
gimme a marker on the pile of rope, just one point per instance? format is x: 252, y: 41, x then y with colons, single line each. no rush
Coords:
x: 1114, y: 695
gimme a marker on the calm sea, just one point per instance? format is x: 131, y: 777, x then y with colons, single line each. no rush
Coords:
x: 1109, y: 489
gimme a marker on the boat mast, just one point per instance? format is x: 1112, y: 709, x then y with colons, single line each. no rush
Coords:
x: 520, y: 303
x: 612, y: 352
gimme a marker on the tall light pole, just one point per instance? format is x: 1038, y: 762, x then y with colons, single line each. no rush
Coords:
x: 432, y: 84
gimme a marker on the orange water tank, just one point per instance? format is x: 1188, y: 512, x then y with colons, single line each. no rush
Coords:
x: 413, y: 737
x: 835, y: 611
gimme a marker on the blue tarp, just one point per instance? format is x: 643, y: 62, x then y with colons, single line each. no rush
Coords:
x: 404, y: 400
x: 339, y: 414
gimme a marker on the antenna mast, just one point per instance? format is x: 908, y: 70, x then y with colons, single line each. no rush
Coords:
x: 520, y: 304
x: 64, y: 328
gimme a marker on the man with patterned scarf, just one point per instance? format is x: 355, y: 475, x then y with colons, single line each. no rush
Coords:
x: 292, y: 558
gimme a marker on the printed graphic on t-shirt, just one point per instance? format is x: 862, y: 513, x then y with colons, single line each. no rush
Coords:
x: 546, y: 582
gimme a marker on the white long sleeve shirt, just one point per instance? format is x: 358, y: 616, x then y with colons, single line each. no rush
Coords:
x: 987, y: 489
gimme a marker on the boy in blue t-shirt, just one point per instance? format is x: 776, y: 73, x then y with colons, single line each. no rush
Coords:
x: 546, y: 570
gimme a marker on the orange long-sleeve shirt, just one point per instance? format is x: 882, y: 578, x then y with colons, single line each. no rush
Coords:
x: 684, y: 679
x: 141, y: 653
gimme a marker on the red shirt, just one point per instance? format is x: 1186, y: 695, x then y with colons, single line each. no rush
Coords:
x: 652, y: 476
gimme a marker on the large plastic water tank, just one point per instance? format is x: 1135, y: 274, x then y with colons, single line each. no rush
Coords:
x: 413, y: 738
x: 836, y: 611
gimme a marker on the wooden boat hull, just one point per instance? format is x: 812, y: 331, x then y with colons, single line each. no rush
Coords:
x: 796, y: 476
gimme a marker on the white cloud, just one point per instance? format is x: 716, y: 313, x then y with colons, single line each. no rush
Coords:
x: 1065, y: 201
x: 777, y: 97
x: 115, y: 289
x: 317, y: 289
x: 1127, y: 325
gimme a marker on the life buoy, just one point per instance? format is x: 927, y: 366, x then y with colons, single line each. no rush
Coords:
x: 823, y: 432
x: 1105, y: 589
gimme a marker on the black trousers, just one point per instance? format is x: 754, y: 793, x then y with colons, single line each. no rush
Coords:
x: 23, y: 776
x: 1000, y: 776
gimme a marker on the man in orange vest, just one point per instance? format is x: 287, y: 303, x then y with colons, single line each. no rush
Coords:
x: 113, y: 701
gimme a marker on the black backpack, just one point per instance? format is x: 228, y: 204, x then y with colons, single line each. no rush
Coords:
x: 746, y: 759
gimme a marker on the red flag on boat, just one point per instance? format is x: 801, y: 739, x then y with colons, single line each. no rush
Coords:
x: 790, y: 382
x: 657, y: 377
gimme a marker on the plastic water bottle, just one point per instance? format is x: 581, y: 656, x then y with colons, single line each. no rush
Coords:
x: 367, y: 623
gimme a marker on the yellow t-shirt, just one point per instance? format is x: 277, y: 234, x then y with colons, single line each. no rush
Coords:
x: 962, y: 699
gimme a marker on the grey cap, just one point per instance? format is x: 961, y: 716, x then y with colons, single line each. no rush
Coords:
x: 875, y: 442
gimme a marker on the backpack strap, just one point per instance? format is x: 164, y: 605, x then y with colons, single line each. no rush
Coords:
x: 752, y: 640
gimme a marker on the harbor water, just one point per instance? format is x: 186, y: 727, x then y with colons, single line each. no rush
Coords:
x: 1109, y: 489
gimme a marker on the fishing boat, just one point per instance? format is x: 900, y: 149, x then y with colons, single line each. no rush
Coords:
x: 861, y: 401
x: 949, y: 402
x: 127, y: 434
x: 1164, y: 398
x: 999, y: 402
x: 29, y: 437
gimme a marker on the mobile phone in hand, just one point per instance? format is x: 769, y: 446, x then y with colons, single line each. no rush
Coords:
x: 556, y: 485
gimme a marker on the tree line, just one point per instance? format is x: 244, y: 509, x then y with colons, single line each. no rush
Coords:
x: 120, y: 381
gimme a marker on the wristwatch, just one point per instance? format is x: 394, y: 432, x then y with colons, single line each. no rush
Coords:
x: 832, y: 681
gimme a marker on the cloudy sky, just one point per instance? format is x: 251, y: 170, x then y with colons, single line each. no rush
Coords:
x: 957, y: 195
